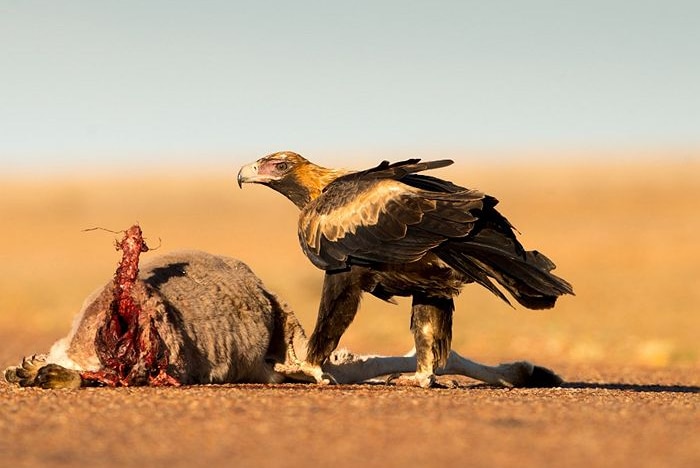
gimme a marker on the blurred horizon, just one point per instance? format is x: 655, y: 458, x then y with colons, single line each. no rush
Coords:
x: 136, y: 165
x: 111, y: 86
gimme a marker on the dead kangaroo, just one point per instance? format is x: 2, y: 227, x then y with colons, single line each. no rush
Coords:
x: 219, y: 324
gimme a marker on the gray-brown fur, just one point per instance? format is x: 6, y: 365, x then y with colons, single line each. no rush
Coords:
x: 221, y: 325
x: 218, y: 321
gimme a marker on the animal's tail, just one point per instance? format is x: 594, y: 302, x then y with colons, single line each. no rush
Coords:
x: 491, y: 253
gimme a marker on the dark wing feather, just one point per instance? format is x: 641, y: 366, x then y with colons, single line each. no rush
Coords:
x: 390, y: 214
x: 402, y: 170
x: 371, y: 217
x: 431, y: 183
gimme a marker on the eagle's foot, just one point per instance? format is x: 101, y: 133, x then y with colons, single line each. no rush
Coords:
x: 25, y: 374
x: 423, y: 380
x: 305, y: 372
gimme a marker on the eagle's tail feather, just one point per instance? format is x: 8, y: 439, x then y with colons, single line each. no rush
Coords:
x: 526, y: 275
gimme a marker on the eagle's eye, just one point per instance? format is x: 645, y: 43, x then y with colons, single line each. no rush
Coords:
x: 281, y: 166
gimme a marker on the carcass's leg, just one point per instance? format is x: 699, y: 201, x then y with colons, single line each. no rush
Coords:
x: 514, y: 374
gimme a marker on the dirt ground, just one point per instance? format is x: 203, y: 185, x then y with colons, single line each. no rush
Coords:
x: 623, y: 232
x: 614, y: 417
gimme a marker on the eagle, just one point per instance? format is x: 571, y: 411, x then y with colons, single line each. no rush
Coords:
x: 392, y: 231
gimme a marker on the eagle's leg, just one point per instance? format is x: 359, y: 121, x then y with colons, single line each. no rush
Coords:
x: 339, y: 303
x: 431, y: 324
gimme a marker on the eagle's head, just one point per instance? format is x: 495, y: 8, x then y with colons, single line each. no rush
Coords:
x: 290, y: 174
x: 271, y: 169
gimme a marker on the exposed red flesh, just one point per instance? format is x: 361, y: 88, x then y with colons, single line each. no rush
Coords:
x: 131, y: 350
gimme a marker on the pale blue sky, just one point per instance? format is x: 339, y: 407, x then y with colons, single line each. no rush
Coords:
x: 97, y: 83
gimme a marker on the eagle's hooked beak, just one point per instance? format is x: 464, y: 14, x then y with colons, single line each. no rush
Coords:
x: 249, y: 174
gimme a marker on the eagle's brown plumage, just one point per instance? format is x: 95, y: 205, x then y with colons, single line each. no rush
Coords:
x: 390, y: 231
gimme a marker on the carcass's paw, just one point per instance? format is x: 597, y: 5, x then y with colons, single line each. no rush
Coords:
x: 25, y: 374
x: 542, y: 377
x: 305, y: 372
x: 414, y: 380
x: 10, y: 375
x: 53, y: 376
x: 525, y: 374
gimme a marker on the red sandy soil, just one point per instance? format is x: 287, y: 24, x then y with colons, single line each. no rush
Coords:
x: 619, y: 417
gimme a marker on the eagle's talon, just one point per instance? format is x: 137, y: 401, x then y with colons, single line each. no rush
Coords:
x: 328, y: 379
x: 392, y: 377
x: 414, y: 380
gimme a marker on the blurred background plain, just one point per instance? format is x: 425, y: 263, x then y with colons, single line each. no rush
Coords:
x: 582, y: 118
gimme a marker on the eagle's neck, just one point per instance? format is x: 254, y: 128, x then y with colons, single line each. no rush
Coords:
x: 306, y: 183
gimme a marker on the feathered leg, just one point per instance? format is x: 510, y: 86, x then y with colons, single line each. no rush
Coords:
x: 431, y: 324
x: 339, y: 303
